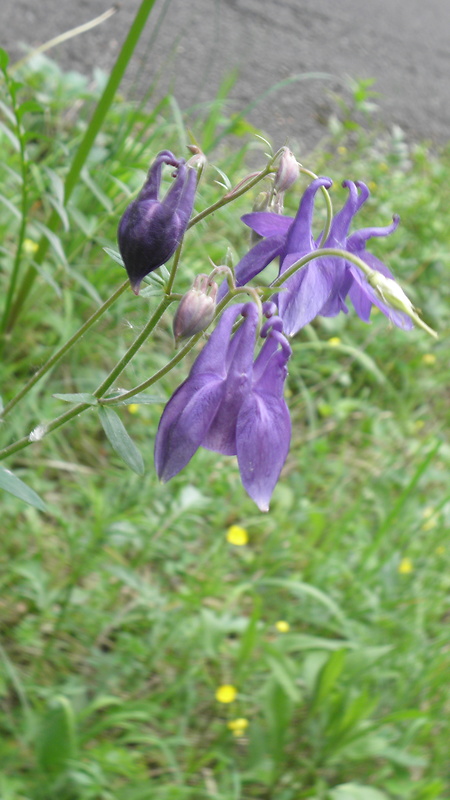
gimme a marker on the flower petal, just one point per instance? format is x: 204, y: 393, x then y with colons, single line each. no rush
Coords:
x: 254, y: 262
x: 221, y: 434
x: 267, y: 223
x: 184, y: 423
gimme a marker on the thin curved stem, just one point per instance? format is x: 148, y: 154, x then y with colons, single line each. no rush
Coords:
x: 45, y: 429
x: 63, y: 349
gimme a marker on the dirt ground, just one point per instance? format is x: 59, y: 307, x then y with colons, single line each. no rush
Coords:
x: 191, y: 46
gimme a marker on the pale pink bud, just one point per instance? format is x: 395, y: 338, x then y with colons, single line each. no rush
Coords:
x: 196, y: 308
x: 287, y: 172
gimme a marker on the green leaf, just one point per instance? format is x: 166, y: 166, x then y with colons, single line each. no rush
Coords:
x: 355, y: 791
x: 27, y: 107
x: 4, y: 59
x: 138, y: 399
x: 77, y: 397
x: 55, y: 743
x: 328, y: 676
x: 115, y: 255
x: 12, y: 484
x: 120, y: 440
x: 280, y: 672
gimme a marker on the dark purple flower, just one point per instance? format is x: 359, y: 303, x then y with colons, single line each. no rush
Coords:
x: 232, y: 404
x: 151, y: 229
x: 322, y: 286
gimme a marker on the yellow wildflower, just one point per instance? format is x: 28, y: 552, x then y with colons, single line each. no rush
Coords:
x: 342, y: 150
x: 334, y: 341
x: 226, y: 693
x: 405, y: 566
x: 133, y: 408
x: 372, y: 186
x: 429, y: 359
x: 30, y: 247
x: 237, y: 535
x: 238, y: 726
x: 282, y: 626
x: 440, y: 550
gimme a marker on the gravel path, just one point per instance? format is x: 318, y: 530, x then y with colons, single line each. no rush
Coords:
x: 403, y: 44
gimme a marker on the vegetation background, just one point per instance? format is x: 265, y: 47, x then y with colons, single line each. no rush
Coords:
x: 127, y: 607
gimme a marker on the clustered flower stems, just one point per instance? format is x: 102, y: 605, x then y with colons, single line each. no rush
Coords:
x: 232, y: 401
x: 61, y: 352
x: 170, y: 297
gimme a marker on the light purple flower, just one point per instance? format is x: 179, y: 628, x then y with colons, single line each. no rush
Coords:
x: 323, y: 285
x: 151, y: 229
x: 233, y: 404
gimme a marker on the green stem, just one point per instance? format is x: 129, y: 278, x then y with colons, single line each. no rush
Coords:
x: 368, y: 272
x: 184, y: 350
x: 131, y: 352
x: 64, y: 349
x: 23, y: 223
x: 85, y: 147
x: 99, y: 392
x: 230, y: 196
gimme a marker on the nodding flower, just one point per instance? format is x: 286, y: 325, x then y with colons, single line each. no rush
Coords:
x: 233, y: 404
x: 322, y: 286
x: 151, y: 229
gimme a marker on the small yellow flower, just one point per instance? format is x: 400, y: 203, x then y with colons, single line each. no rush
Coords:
x: 440, y: 550
x: 226, y: 693
x: 372, y: 186
x: 429, y: 359
x: 133, y: 408
x: 405, y: 566
x: 238, y: 726
x: 282, y: 626
x: 30, y: 247
x: 382, y: 166
x: 342, y: 150
x: 418, y: 425
x: 237, y: 535
x: 334, y: 341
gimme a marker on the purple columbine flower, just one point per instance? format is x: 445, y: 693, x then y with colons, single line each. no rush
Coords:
x: 233, y: 404
x: 151, y: 229
x: 322, y: 286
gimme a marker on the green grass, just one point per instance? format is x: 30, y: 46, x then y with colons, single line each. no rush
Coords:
x: 124, y: 607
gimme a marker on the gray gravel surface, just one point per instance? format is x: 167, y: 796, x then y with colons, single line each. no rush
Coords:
x: 403, y: 44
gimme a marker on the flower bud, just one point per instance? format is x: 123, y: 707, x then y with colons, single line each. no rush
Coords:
x: 151, y: 229
x: 196, y: 308
x: 287, y: 172
x: 390, y: 292
x: 198, y: 158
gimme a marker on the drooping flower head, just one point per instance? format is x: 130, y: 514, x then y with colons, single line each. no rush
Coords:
x: 233, y: 404
x: 151, y: 229
x: 323, y: 285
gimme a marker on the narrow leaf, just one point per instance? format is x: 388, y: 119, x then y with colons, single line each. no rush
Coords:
x: 56, y: 739
x: 77, y: 397
x: 12, y: 484
x: 120, y: 440
x: 4, y: 59
x: 328, y: 676
x: 137, y: 399
x: 115, y: 255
